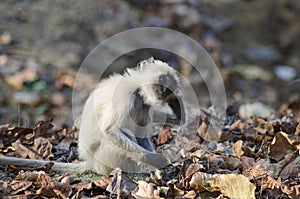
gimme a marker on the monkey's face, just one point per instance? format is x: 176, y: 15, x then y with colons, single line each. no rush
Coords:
x: 168, y: 92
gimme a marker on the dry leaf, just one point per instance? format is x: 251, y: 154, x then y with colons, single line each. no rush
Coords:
x: 43, y: 148
x: 103, y: 182
x: 190, y: 195
x: 199, y: 179
x: 268, y: 182
x: 46, y: 191
x: 208, y: 132
x: 291, y: 191
x: 20, y: 185
x: 164, y: 135
x: 193, y: 168
x: 280, y: 146
x: 232, y: 163
x: 145, y: 190
x: 16, y: 81
x: 231, y: 185
x: 22, y: 150
x: 237, y: 149
x: 292, y: 169
x: 82, y: 186
x: 120, y: 184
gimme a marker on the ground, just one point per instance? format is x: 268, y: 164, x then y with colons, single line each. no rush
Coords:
x: 254, y: 44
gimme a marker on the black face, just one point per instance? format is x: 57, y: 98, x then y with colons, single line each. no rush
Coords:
x: 166, y: 84
x: 165, y: 91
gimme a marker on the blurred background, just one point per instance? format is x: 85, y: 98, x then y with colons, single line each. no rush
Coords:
x: 43, y: 43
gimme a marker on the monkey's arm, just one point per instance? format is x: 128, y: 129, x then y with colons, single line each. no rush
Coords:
x: 139, y: 149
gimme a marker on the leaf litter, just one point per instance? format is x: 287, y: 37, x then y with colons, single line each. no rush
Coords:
x: 253, y: 158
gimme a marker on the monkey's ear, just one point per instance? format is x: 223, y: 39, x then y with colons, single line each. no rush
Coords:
x: 138, y: 110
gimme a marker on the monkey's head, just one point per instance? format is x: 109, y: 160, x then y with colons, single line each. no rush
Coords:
x: 159, y: 86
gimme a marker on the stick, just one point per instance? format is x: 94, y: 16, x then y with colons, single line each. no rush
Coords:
x: 32, y: 164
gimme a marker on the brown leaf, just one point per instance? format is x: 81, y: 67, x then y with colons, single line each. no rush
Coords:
x: 237, y: 149
x: 103, y: 182
x: 199, y: 179
x: 22, y: 150
x: 291, y: 191
x: 164, y: 135
x: 9, y: 135
x: 190, y: 195
x: 43, y: 148
x: 82, y: 186
x: 173, y: 191
x: 280, y: 146
x: 16, y: 81
x: 208, y: 132
x: 29, y: 175
x: 46, y: 191
x: 232, y: 163
x: 268, y: 182
x: 19, y: 186
x: 255, y: 169
x: 44, y: 129
x: 193, y: 168
x: 44, y: 180
x: 292, y: 169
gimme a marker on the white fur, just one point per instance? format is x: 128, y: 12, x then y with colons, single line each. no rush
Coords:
x: 108, y: 106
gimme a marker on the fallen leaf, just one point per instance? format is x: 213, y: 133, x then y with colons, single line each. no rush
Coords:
x: 43, y: 148
x: 46, y: 191
x: 291, y: 191
x: 103, y: 182
x: 193, y: 168
x: 208, y: 132
x: 199, y: 179
x: 19, y: 186
x: 232, y: 163
x: 268, y: 182
x: 292, y: 169
x: 164, y: 135
x: 190, y: 195
x: 145, y: 190
x: 22, y: 150
x: 173, y: 191
x: 120, y: 184
x: 231, y: 185
x: 280, y: 146
x: 237, y: 149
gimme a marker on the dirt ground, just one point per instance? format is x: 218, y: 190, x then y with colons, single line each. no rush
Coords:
x: 255, y: 44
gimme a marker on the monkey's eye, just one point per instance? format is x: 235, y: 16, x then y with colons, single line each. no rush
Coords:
x: 162, y: 92
x: 162, y: 88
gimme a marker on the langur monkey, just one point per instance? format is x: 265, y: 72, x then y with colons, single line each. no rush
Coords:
x: 115, y: 126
